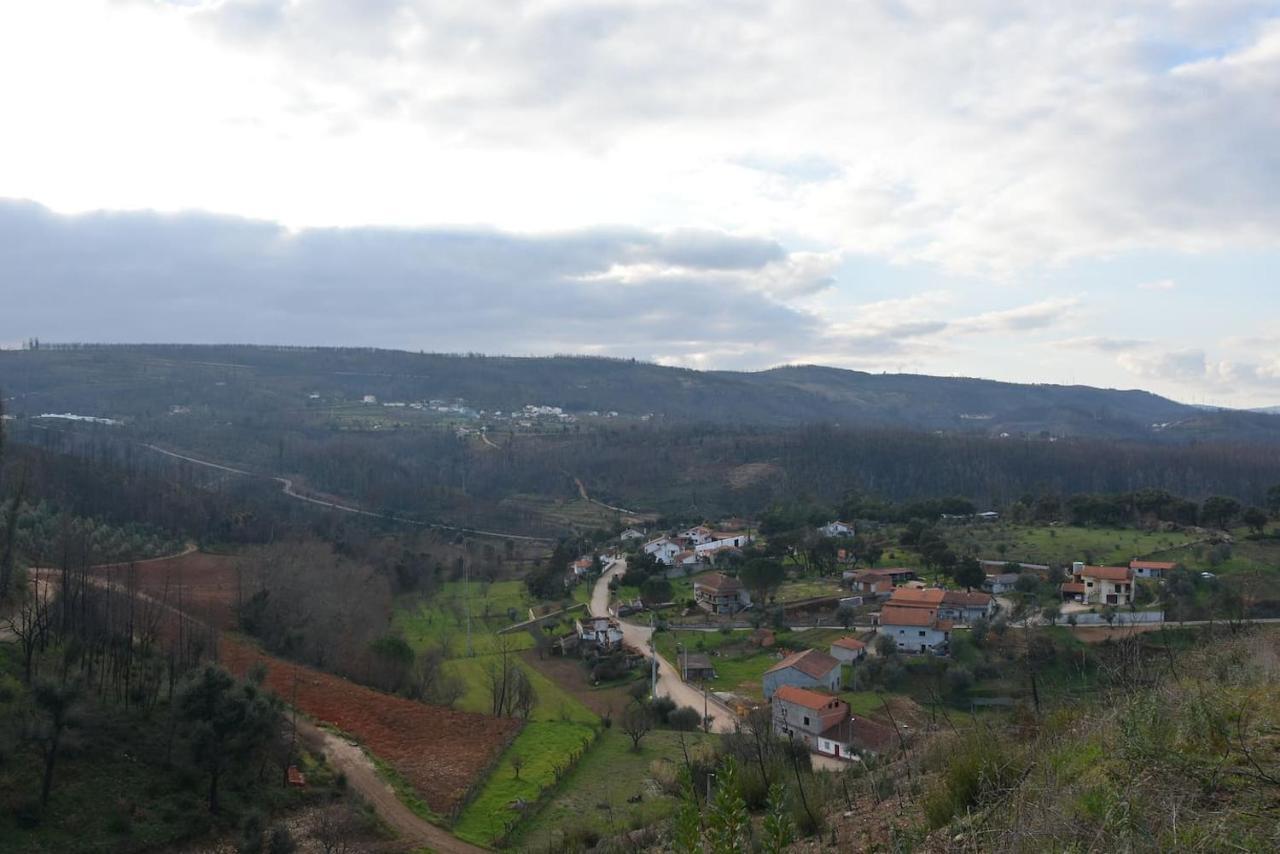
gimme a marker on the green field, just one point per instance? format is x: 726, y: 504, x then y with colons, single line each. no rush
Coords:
x: 595, y: 794
x: 1060, y: 546
x: 739, y: 667
x: 543, y: 745
x: 558, y: 726
x: 1244, y: 555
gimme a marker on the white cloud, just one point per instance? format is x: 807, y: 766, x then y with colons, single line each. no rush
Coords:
x: 1158, y: 285
x: 986, y: 136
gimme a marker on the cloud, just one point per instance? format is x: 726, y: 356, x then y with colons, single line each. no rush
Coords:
x: 1181, y: 365
x: 1103, y: 344
x: 984, y: 137
x: 1039, y: 315
x: 1158, y: 285
x: 203, y: 278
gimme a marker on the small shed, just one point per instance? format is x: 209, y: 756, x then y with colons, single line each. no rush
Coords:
x: 697, y: 667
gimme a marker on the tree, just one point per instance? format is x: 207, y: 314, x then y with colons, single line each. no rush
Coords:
x: 779, y: 829
x: 517, y: 762
x: 845, y: 615
x: 762, y: 577
x: 226, y: 722
x: 728, y: 822
x: 55, y: 703
x: 656, y: 588
x: 886, y: 646
x: 969, y: 573
x: 1256, y: 518
x: 334, y: 829
x: 1051, y: 613
x: 1219, y: 511
x: 1273, y: 500
x: 637, y: 721
x: 281, y: 841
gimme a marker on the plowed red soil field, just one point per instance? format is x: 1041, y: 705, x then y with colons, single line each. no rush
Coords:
x: 201, y: 585
x: 439, y: 751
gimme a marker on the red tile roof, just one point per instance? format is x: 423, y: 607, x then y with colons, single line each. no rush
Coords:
x: 1073, y: 587
x: 810, y: 662
x: 910, y: 597
x: 897, y: 616
x: 849, y: 643
x: 966, y: 599
x: 862, y: 733
x: 1108, y: 573
x: 1151, y: 564
x: 804, y: 697
x: 718, y: 582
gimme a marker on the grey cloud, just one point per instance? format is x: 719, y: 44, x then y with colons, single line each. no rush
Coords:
x: 204, y: 278
x: 1104, y: 344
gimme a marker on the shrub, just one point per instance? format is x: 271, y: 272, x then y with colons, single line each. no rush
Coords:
x: 684, y: 718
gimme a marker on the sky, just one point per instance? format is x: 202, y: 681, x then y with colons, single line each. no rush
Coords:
x: 1084, y: 192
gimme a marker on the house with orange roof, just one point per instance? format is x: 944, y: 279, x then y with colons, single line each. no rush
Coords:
x: 1103, y: 585
x: 809, y: 668
x: 915, y: 629
x: 720, y: 593
x: 848, y: 650
x: 824, y: 724
x: 961, y: 606
x: 1151, y: 568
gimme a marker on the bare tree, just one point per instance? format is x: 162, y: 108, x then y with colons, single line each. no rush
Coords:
x: 335, y: 829
x: 637, y: 721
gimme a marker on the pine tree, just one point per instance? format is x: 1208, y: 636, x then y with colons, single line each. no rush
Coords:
x: 779, y: 829
x: 728, y: 823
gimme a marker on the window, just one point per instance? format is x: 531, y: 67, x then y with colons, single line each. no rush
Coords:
x: 806, y: 720
x: 922, y: 633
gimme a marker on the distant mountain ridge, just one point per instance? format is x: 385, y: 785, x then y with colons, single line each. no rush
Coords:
x: 124, y: 380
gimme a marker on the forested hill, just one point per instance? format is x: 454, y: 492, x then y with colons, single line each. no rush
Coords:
x: 126, y: 381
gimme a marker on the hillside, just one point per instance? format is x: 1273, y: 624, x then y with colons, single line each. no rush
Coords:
x: 138, y: 381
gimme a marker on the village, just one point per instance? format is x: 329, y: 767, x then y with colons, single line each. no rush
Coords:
x: 804, y: 661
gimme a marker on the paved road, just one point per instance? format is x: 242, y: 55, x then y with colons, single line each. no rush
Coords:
x: 286, y: 486
x: 669, y: 682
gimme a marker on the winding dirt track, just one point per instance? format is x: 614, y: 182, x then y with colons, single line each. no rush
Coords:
x: 426, y: 744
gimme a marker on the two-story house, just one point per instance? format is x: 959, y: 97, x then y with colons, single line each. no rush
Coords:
x: 664, y: 549
x: 809, y: 668
x: 915, y: 629
x: 720, y: 593
x: 1100, y: 585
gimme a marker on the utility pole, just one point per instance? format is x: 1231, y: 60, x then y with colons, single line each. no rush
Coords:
x: 466, y: 595
x: 653, y: 648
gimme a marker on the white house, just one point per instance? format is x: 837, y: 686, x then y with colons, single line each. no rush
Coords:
x: 721, y: 540
x: 1000, y: 584
x: 698, y: 535
x: 824, y: 724
x: 848, y: 650
x: 602, y: 632
x: 1100, y: 585
x: 836, y: 529
x: 915, y: 629
x: 664, y: 549
x: 1151, y: 568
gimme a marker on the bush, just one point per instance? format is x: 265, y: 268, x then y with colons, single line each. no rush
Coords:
x: 975, y: 768
x: 661, y: 708
x: 685, y: 718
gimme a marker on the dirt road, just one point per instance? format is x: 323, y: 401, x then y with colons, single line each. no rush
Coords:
x: 669, y: 682
x: 363, y: 778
